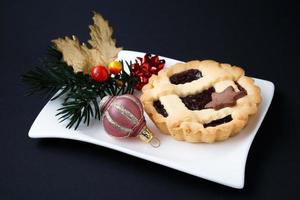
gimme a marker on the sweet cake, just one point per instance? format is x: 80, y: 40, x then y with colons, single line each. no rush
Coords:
x: 201, y: 101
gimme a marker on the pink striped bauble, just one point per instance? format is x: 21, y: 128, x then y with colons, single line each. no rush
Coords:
x: 122, y: 116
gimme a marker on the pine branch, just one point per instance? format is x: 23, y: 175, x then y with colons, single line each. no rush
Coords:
x: 80, y: 92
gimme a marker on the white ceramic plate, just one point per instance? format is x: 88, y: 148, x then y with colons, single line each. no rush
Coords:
x: 221, y: 162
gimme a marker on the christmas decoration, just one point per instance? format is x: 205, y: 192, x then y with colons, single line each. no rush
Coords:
x: 80, y: 92
x: 123, y: 117
x: 84, y: 75
x: 115, y: 67
x: 82, y: 58
x: 99, y: 73
x: 143, y: 68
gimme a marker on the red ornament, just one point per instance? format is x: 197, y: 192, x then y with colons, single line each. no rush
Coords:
x: 144, y: 68
x: 99, y: 73
x: 122, y: 116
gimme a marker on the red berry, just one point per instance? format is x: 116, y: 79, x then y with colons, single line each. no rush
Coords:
x: 99, y: 73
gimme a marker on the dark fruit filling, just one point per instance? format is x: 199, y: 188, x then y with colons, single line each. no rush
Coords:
x: 160, y: 108
x: 185, y: 76
x: 198, y: 101
x: 218, y: 121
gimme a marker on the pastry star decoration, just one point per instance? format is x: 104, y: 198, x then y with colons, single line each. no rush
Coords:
x: 227, y: 98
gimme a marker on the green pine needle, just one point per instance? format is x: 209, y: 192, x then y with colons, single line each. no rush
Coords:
x: 80, y: 92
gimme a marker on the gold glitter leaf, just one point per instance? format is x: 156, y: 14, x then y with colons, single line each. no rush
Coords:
x: 103, y: 47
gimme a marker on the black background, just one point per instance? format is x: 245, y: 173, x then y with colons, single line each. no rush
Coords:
x: 261, y: 36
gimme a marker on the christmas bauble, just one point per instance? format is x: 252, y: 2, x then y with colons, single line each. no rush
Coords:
x: 115, y: 67
x: 99, y: 73
x: 122, y: 116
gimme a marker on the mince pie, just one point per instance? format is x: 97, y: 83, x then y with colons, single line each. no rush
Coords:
x: 201, y: 101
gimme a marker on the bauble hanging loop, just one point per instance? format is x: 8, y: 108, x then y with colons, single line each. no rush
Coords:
x: 122, y: 116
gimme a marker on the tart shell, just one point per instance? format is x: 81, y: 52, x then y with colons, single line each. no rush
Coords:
x: 188, y: 127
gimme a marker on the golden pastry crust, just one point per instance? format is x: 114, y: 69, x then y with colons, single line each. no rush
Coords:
x: 188, y: 125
